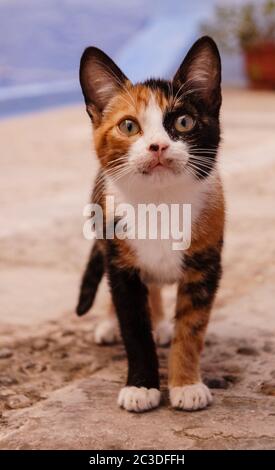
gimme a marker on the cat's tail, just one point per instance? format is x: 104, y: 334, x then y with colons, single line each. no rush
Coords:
x: 91, y: 278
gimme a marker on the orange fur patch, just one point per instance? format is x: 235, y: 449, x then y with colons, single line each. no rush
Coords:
x: 110, y: 143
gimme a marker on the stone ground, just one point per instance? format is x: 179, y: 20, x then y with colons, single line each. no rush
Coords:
x: 57, y: 388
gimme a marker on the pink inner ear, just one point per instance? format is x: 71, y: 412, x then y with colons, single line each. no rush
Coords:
x: 202, y: 71
x: 102, y: 85
x: 100, y: 78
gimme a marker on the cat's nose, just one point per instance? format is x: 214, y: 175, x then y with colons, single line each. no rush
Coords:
x: 158, y: 148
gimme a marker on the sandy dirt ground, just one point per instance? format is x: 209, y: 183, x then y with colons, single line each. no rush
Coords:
x: 58, y: 389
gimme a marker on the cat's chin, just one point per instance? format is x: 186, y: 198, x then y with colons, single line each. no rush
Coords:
x: 160, y: 171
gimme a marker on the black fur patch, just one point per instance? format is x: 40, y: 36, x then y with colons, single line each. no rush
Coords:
x: 208, y: 262
x: 159, y: 84
x: 204, y: 138
x: 130, y: 297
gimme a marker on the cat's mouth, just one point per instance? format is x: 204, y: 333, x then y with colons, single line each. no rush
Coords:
x: 158, y: 167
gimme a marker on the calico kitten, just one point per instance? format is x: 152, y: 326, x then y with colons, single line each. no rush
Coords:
x: 157, y: 142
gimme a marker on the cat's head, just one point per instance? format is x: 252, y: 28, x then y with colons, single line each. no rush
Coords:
x: 157, y: 131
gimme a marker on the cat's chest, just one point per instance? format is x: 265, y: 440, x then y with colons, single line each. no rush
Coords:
x: 157, y: 260
x: 157, y: 257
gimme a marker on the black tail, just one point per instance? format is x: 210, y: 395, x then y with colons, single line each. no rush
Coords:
x: 91, y: 279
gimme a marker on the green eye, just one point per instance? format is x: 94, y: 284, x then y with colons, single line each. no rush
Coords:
x: 129, y: 127
x: 184, y: 123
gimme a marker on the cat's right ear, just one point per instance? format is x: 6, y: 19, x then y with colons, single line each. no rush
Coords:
x: 201, y: 71
x: 100, y: 80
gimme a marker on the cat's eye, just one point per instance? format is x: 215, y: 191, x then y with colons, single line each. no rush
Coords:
x: 129, y: 127
x: 184, y: 123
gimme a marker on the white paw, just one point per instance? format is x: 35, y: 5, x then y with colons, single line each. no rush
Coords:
x: 191, y: 397
x: 107, y: 332
x: 163, y: 332
x: 138, y: 398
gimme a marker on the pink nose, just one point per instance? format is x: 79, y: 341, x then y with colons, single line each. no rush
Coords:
x: 157, y: 149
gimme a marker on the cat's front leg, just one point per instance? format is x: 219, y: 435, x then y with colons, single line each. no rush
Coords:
x: 196, y: 292
x: 130, y: 297
x: 162, y: 327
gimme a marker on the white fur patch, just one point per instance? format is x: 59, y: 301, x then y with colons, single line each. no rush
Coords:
x: 163, y: 332
x: 153, y: 132
x: 156, y: 257
x: 190, y: 397
x: 138, y: 398
x: 107, y: 331
x: 152, y: 125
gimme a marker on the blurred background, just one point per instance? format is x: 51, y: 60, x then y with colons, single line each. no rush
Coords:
x: 41, y: 42
x: 47, y: 171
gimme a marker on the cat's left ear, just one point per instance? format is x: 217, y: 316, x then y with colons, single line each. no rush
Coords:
x: 201, y: 71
